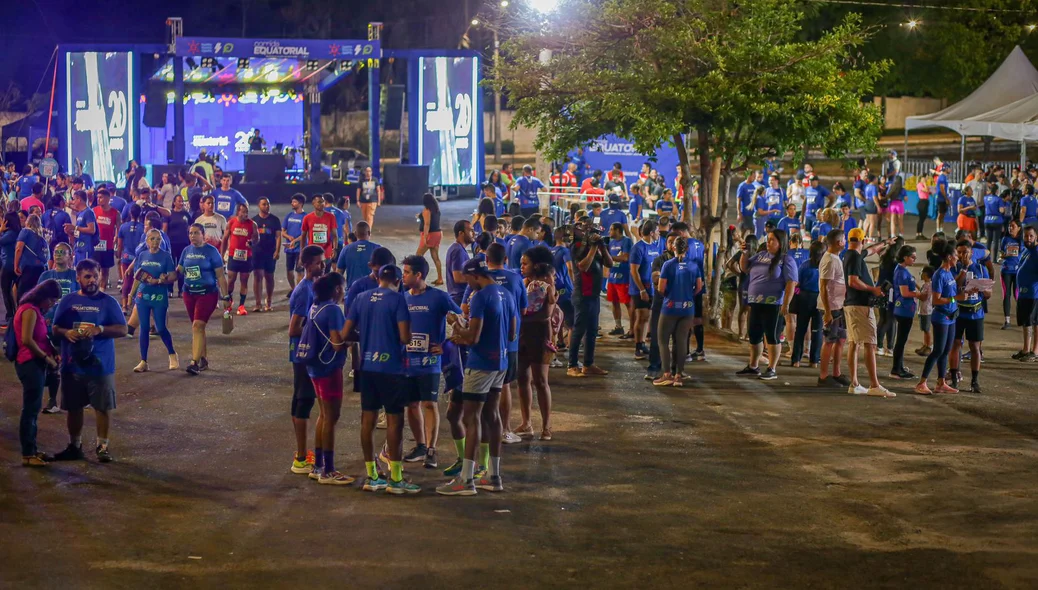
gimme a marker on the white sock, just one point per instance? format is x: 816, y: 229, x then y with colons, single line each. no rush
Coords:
x: 468, y: 469
x: 77, y: 441
x: 495, y: 466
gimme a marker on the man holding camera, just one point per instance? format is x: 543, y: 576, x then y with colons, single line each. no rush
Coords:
x: 861, y: 319
x: 590, y: 255
x: 87, y: 322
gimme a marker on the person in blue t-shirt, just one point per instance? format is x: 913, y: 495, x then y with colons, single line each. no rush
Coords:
x: 1010, y: 249
x: 311, y: 260
x: 30, y: 254
x: 492, y: 325
x: 774, y: 199
x: 526, y: 187
x: 680, y: 282
x: 326, y: 322
x: 428, y: 309
x: 945, y: 293
x: 745, y: 194
x: 562, y: 261
x: 227, y: 199
x: 202, y: 269
x: 614, y: 215
x: 353, y: 260
x: 815, y: 197
x: 996, y: 210
x: 520, y: 242
x: 906, y: 295
x: 804, y: 307
x: 66, y: 279
x: 1029, y: 207
x: 343, y: 220
x: 791, y: 222
x: 642, y: 255
x: 87, y: 322
x: 512, y: 282
x: 154, y: 271
x: 54, y: 220
x: 83, y: 228
x: 26, y: 182
x: 636, y: 206
x: 457, y: 256
x: 292, y: 233
x: 381, y: 318
x: 970, y: 322
x: 617, y: 290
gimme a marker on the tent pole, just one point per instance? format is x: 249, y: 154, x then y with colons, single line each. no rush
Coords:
x: 962, y: 162
x: 1023, y: 152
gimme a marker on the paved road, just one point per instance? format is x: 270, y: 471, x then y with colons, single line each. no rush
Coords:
x: 724, y: 483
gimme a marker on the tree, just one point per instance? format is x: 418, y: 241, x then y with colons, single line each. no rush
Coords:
x: 734, y: 75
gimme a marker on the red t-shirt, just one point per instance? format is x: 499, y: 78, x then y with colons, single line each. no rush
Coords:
x: 321, y: 231
x: 242, y: 234
x: 567, y: 180
x: 107, y: 227
x: 595, y: 194
x: 585, y: 185
x: 615, y: 176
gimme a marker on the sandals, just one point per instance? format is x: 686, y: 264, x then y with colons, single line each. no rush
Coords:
x: 524, y: 432
x: 438, y: 282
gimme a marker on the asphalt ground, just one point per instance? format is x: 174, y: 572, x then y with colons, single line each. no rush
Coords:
x: 727, y: 482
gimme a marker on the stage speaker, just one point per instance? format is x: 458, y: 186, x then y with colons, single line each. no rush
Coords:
x: 405, y: 184
x: 155, y: 107
x: 394, y: 107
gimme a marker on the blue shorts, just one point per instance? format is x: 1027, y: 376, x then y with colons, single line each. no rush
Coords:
x: 264, y: 263
x: 239, y: 265
x: 292, y: 260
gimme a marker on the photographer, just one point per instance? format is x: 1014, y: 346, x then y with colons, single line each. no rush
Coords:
x: 862, y: 296
x: 590, y: 255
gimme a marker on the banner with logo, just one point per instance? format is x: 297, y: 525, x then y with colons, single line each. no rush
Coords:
x: 282, y: 48
x: 610, y: 149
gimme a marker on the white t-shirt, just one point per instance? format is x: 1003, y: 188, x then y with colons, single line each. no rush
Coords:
x: 215, y: 226
x: 831, y: 268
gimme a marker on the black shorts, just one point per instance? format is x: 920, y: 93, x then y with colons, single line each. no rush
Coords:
x: 566, y: 305
x: 457, y: 397
x: 239, y: 265
x: 292, y: 260
x: 639, y: 303
x: 79, y: 391
x: 1026, y: 312
x: 973, y: 329
x: 512, y: 372
x: 423, y: 388
x: 303, y: 394
x: 763, y: 323
x: 697, y: 311
x: 264, y: 263
x: 106, y: 258
x: 382, y: 390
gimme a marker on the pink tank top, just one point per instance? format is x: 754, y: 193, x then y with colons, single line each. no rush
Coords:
x: 39, y: 334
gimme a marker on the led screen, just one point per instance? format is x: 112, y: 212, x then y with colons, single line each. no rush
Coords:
x: 221, y: 124
x: 449, y: 116
x: 100, y: 125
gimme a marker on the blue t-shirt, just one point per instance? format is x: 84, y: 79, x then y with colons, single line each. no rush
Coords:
x: 76, y: 310
x: 131, y: 234
x: 992, y: 215
x: 820, y: 230
x: 904, y: 306
x: 512, y: 283
x: 518, y: 244
x: 680, y: 294
x: 66, y: 280
x: 807, y: 277
x: 871, y: 192
x: 200, y: 265
x: 326, y: 316
x: 971, y: 308
x: 528, y: 188
x: 353, y: 260
x: 35, y: 252
x: 980, y: 253
x: 620, y: 273
x: 790, y: 225
x: 493, y: 305
x: 155, y: 265
x: 611, y: 216
x: 376, y: 313
x: 636, y: 205
x: 226, y: 202
x: 1010, y: 249
x: 54, y: 221
x: 944, y: 286
x: 1029, y: 205
x: 942, y: 180
x: 665, y: 207
x: 428, y: 312
x: 814, y: 200
x: 774, y: 202
x: 1027, y: 273
x: 142, y: 246
x: 457, y: 256
x: 800, y: 255
x: 8, y: 243
x: 293, y: 226
x: 766, y: 286
x: 560, y: 255
x: 848, y: 224
x: 343, y: 221
x: 697, y: 255
x: 85, y: 242
x: 643, y: 254
x: 299, y: 304
x: 24, y: 185
x: 744, y: 192
x: 966, y: 201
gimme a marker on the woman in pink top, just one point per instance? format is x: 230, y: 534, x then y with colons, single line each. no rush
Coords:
x: 923, y: 206
x: 36, y: 356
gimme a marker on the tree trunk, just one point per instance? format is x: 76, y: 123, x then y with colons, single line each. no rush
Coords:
x: 707, y: 205
x: 686, y: 179
x: 715, y: 278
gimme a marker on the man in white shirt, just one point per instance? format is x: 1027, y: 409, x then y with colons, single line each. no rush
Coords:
x: 832, y: 288
x: 213, y: 223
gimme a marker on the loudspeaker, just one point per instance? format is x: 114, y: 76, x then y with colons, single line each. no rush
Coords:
x: 155, y: 107
x: 405, y: 184
x: 394, y: 107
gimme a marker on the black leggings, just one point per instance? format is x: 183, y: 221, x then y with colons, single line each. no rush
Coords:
x: 943, y: 337
x: 886, y: 327
x: 7, y: 282
x: 923, y: 209
x: 904, y: 328
x: 1008, y: 291
x: 808, y: 314
x: 994, y: 233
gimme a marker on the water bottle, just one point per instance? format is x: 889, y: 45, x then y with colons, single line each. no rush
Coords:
x: 228, y: 321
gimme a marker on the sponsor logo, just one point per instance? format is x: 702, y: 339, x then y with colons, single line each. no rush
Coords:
x: 276, y: 49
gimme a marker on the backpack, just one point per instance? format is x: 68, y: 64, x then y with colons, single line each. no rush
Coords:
x: 313, y: 343
x: 10, y: 344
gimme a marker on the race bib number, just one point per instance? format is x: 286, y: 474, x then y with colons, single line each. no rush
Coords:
x: 320, y: 237
x: 419, y: 343
x: 240, y: 254
x: 1012, y: 250
x: 192, y: 273
x: 82, y: 326
x: 223, y: 206
x: 101, y: 246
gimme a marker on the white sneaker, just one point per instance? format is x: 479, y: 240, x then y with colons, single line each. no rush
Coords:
x: 556, y: 364
x: 510, y: 438
x: 888, y: 352
x: 174, y: 362
x: 880, y: 352
x: 142, y: 367
x: 880, y: 392
x: 857, y: 390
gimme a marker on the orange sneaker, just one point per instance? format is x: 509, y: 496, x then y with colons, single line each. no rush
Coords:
x: 242, y: 311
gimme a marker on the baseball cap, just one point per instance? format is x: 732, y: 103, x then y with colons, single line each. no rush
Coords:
x: 390, y: 272
x: 856, y: 235
x: 614, y: 198
x: 476, y: 266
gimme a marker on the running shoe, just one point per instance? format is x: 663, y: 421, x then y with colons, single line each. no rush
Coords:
x: 242, y: 310
x: 193, y: 368
x: 857, y: 390
x: 416, y: 454
x: 103, y: 455
x: 881, y: 352
x: 617, y: 331
x: 457, y: 487
x: 511, y: 438
x: 575, y: 372
x: 924, y: 350
x: 627, y: 336
x: 455, y: 468
x: 923, y: 389
x: 966, y: 356
x: 430, y: 459
x: 842, y: 380
x: 1026, y: 357
x: 975, y: 387
x: 490, y: 483
x: 556, y: 364
x: 902, y: 374
x: 769, y: 374
x: 748, y: 370
x: 945, y: 389
x: 664, y: 380
x: 52, y: 409
x: 595, y: 370
x: 375, y: 485
x: 480, y: 472
x: 954, y: 377
x: 381, y: 424
x: 640, y: 354
x: 546, y: 434
x: 203, y: 365
x: 699, y: 355
x: 71, y: 453
x: 315, y: 472
x: 301, y: 467
x: 399, y: 488
x: 880, y: 392
x: 34, y: 461
x: 335, y: 479
x: 142, y: 367
x: 827, y: 382
x: 651, y: 376
x: 1005, y: 326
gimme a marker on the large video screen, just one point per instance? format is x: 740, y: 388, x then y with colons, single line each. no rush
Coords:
x: 100, y: 124
x: 449, y: 115
x: 221, y: 124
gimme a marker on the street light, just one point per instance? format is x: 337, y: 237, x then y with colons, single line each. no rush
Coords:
x: 912, y: 24
x: 475, y: 22
x: 544, y: 6
x: 1030, y: 28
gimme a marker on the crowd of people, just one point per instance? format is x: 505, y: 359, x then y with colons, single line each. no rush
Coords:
x: 522, y: 295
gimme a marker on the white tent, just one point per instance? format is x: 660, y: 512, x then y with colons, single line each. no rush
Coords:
x: 1004, y: 106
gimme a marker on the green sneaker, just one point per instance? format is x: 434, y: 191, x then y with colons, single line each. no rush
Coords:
x: 402, y: 487
x: 454, y: 469
x: 374, y: 485
x: 301, y: 467
x: 481, y: 472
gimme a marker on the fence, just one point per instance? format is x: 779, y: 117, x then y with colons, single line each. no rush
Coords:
x: 915, y: 167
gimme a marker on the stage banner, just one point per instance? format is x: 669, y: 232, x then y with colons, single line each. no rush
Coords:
x: 285, y: 48
x: 610, y: 149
